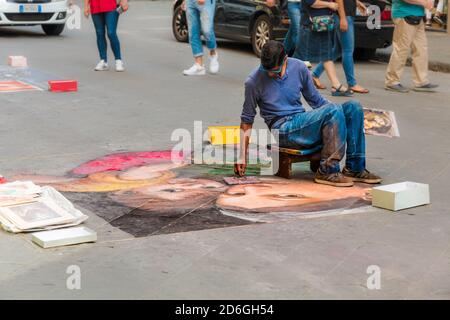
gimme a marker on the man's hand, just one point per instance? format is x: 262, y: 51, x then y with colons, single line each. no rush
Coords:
x: 124, y: 5
x: 343, y: 25
x: 428, y: 4
x: 201, y: 2
x: 87, y: 11
x: 362, y: 8
x: 333, y: 6
x: 270, y: 3
x: 239, y: 168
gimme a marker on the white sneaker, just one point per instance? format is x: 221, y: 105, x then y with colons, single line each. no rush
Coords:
x: 101, y: 66
x: 119, y: 66
x: 214, y: 63
x: 195, y: 70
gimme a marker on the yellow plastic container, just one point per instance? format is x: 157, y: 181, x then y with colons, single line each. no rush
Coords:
x: 224, y: 135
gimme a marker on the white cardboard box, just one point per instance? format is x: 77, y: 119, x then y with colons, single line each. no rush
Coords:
x: 17, y: 61
x: 401, y: 195
x: 64, y: 237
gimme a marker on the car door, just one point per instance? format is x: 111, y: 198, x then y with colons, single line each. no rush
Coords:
x: 238, y: 14
x: 219, y: 18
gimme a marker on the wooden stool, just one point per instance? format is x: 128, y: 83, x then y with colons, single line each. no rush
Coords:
x: 289, y: 156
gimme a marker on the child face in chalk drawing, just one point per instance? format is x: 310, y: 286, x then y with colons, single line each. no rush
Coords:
x: 175, y: 194
x: 276, y: 196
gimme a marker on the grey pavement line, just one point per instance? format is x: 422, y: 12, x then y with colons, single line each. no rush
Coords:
x: 44, y: 156
x: 440, y: 172
x: 185, y: 215
x: 21, y: 265
x: 165, y: 235
x: 428, y: 270
x: 360, y: 245
x: 433, y: 65
x: 401, y: 166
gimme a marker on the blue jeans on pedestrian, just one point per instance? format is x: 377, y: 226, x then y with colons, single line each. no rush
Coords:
x: 201, y: 20
x: 291, y: 40
x: 346, y: 48
x: 332, y: 126
x: 107, y: 22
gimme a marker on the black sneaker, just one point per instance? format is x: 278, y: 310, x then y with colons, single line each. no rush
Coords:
x: 333, y: 179
x: 438, y: 20
x: 426, y: 88
x: 397, y: 88
x: 363, y: 176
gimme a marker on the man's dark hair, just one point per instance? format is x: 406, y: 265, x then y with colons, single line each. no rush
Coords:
x: 272, y: 54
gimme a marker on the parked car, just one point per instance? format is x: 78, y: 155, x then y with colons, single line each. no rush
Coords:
x: 50, y: 14
x: 254, y: 22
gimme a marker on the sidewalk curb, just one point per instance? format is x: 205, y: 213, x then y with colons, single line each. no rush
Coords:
x: 432, y: 65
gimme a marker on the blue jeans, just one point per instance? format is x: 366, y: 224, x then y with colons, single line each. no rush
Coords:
x: 347, y: 47
x: 291, y: 40
x: 201, y: 20
x: 107, y: 21
x: 331, y: 126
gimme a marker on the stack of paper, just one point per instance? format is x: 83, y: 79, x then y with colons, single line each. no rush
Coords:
x: 26, y: 207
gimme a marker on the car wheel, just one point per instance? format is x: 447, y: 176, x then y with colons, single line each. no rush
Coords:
x: 53, y: 29
x: 179, y: 25
x: 261, y: 33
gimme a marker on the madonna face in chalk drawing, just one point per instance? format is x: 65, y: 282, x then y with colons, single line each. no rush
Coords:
x: 276, y: 195
x: 174, y: 195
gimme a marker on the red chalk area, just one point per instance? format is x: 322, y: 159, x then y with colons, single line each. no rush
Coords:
x: 123, y: 161
x: 16, y: 86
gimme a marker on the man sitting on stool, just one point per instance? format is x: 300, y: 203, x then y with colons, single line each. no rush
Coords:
x: 276, y: 88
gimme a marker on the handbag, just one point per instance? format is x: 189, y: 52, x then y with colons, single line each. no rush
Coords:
x: 322, y: 23
x: 413, y: 20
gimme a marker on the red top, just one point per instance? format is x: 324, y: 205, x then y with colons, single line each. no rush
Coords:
x: 98, y: 6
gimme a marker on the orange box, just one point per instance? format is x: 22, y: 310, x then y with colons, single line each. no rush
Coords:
x: 17, y: 61
x: 62, y: 85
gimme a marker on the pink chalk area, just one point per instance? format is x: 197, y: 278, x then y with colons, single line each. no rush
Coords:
x: 123, y: 161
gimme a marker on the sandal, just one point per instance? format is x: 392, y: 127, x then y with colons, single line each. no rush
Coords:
x: 341, y: 93
x: 361, y: 90
x: 318, y: 84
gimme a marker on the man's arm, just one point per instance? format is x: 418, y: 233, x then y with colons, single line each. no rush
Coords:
x: 343, y: 25
x: 247, y: 118
x: 87, y: 8
x: 362, y: 7
x: 246, y: 130
x: 319, y: 4
x: 310, y: 93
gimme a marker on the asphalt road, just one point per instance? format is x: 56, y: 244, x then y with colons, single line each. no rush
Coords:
x: 136, y: 110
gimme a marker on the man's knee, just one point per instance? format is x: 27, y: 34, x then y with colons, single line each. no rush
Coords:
x: 334, y: 112
x: 353, y: 107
